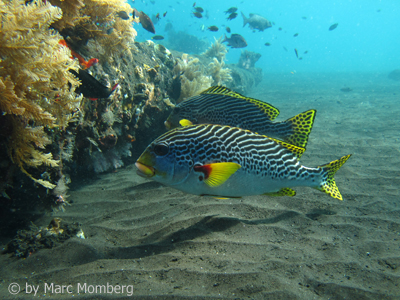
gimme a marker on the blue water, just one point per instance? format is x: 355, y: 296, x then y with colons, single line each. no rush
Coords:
x: 366, y: 39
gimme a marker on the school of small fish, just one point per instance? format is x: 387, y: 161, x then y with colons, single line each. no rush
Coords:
x: 254, y: 22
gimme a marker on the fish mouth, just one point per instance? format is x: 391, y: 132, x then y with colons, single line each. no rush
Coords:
x: 144, y: 171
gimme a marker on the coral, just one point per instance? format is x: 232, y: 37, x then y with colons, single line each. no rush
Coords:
x: 71, y: 13
x: 98, y: 21
x: 248, y: 59
x: 193, y: 80
x: 184, y: 42
x: 394, y: 75
x: 217, y: 50
x: 110, y: 159
x: 35, y: 85
x: 220, y: 75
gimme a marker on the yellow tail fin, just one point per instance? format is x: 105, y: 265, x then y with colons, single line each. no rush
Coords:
x: 328, y: 184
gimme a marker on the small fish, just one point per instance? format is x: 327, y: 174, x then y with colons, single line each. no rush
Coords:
x: 296, y: 34
x: 256, y: 22
x: 154, y: 19
x: 110, y: 30
x: 284, y: 48
x: 235, y: 41
x: 135, y: 13
x: 228, y: 30
x: 85, y: 64
x: 90, y: 87
x: 267, y: 44
x: 232, y: 16
x: 280, y: 28
x: 220, y: 105
x: 146, y: 22
x: 305, y: 52
x: 157, y: 37
x: 199, y: 9
x: 168, y: 26
x: 224, y: 161
x: 197, y: 14
x: 164, y: 14
x: 158, y: 16
x: 90, y: 62
x: 304, y: 18
x: 123, y: 15
x: 176, y: 86
x: 332, y: 27
x: 231, y: 10
x: 213, y: 28
x: 194, y: 4
x: 346, y: 89
x: 297, y: 54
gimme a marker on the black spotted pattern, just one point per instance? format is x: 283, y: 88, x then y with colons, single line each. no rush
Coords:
x: 257, y: 154
x: 219, y: 105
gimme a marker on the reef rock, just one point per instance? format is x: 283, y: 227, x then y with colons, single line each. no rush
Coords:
x: 395, y: 75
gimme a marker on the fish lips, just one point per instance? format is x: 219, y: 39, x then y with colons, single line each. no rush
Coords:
x: 144, y: 171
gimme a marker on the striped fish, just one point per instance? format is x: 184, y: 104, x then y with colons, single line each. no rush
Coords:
x: 220, y: 105
x: 224, y: 161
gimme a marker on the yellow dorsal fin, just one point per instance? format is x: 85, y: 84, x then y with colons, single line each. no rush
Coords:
x: 271, y: 111
x: 301, y: 125
x: 282, y: 192
x: 217, y: 173
x: 185, y: 122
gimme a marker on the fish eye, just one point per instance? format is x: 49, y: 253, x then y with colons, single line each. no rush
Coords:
x: 161, y: 149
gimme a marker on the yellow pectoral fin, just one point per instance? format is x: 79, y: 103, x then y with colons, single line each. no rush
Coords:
x: 185, y: 122
x: 282, y: 192
x: 217, y: 173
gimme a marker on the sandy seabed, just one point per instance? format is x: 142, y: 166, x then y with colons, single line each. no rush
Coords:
x: 146, y: 241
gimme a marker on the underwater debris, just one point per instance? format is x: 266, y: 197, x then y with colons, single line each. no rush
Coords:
x: 27, y: 242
